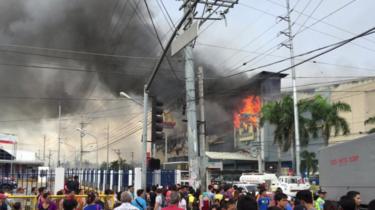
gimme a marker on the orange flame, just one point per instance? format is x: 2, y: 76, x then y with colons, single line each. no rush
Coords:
x: 248, y: 112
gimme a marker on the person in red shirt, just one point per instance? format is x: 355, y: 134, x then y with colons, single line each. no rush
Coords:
x: 173, y: 203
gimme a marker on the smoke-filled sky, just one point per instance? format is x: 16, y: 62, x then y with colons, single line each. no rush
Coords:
x: 44, y: 61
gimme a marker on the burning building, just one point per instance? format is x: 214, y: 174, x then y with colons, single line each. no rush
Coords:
x: 232, y: 126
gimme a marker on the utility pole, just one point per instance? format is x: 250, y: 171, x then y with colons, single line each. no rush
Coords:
x: 195, y: 169
x: 118, y: 153
x: 108, y: 147
x: 81, y: 134
x: 44, y: 149
x: 210, y: 9
x: 296, y: 144
x: 202, y: 129
x: 49, y: 158
x: 191, y: 113
x: 59, y: 138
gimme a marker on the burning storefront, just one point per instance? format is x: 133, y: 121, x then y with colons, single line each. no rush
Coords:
x: 232, y: 126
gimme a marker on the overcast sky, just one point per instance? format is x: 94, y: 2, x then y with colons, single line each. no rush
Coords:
x: 253, y: 26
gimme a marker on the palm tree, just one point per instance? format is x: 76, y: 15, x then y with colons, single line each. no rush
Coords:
x: 325, y: 117
x: 309, y: 163
x: 280, y: 114
x: 370, y: 120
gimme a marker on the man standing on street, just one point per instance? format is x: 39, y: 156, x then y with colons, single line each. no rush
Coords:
x: 140, y: 201
x: 306, y: 200
x: 319, y: 203
x: 126, y: 198
x: 173, y: 203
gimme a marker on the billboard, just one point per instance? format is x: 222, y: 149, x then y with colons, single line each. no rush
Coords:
x: 7, y: 138
x: 246, y: 119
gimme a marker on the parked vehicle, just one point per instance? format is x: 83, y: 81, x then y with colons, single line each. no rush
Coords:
x: 249, y: 188
x: 269, y: 179
x: 7, y: 184
x: 292, y: 184
x: 348, y: 166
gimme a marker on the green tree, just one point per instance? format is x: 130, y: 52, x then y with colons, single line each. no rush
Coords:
x: 309, y: 163
x: 371, y: 121
x: 280, y: 114
x: 326, y: 119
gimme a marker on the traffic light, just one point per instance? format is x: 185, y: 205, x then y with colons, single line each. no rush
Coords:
x: 157, y: 121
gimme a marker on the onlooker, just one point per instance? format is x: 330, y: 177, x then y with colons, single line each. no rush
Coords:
x: 264, y: 200
x: 98, y: 201
x: 131, y: 191
x: 319, y: 203
x: 281, y: 200
x: 182, y: 204
x: 228, y: 204
x: 70, y: 203
x: 356, y: 196
x: 247, y: 202
x: 139, y: 201
x: 90, y: 201
x: 3, y: 203
x: 306, y: 200
x: 126, y: 198
x: 158, y: 199
x: 152, y: 196
x: 331, y: 205
x: 347, y: 203
x: 17, y: 206
x: 73, y: 185
x: 371, y: 205
x: 173, y: 202
x: 47, y: 203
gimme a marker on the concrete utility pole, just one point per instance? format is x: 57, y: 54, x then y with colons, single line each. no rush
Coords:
x: 82, y: 134
x: 108, y: 147
x: 296, y: 145
x: 211, y: 8
x: 191, y: 113
x: 44, y: 149
x: 59, y: 138
x: 49, y: 158
x: 202, y: 129
x: 144, y: 138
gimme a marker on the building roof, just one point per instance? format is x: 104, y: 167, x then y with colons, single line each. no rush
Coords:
x: 229, y: 156
x: 22, y: 157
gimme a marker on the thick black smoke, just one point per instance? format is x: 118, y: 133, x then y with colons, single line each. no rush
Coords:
x: 105, y: 27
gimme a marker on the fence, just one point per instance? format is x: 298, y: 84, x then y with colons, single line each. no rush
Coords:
x: 93, y: 179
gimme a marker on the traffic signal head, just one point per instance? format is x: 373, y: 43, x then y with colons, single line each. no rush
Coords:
x: 157, y: 121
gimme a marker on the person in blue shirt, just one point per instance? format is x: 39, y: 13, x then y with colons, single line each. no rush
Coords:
x: 263, y: 200
x: 139, y: 201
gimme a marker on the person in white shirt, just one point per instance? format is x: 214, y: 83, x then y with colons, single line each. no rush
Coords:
x: 126, y: 198
x: 182, y: 202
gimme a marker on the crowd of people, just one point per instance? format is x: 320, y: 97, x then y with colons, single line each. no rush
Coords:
x: 180, y: 197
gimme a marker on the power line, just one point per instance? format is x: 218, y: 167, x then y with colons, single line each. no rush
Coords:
x: 160, y: 42
x: 310, y: 15
x: 166, y: 14
x: 303, y: 10
x: 331, y: 46
x: 77, y: 52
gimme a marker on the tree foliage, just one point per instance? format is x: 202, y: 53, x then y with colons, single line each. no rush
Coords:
x: 309, y: 163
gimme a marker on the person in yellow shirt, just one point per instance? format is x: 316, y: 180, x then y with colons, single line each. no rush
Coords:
x: 218, y: 195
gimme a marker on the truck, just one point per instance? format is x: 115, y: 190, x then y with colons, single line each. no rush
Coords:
x: 349, y: 166
x: 255, y: 178
x: 292, y: 184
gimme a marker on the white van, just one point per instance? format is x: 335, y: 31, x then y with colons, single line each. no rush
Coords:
x: 252, y: 178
